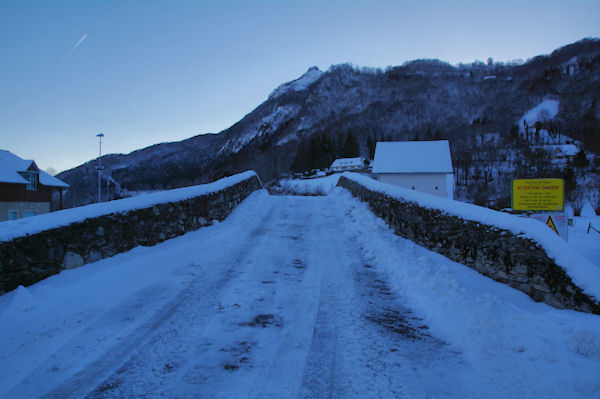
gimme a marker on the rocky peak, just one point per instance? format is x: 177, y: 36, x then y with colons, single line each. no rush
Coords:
x: 302, y: 83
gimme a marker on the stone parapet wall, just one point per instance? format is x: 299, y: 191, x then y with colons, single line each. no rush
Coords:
x: 494, y: 252
x: 28, y: 259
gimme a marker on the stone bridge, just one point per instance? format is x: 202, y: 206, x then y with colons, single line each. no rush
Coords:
x: 514, y: 258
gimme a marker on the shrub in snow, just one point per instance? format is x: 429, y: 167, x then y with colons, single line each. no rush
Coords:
x: 594, y: 198
x: 576, y: 199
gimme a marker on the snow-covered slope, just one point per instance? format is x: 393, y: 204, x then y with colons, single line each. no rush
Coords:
x: 546, y: 110
x: 270, y: 118
x: 265, y: 126
x: 302, y: 83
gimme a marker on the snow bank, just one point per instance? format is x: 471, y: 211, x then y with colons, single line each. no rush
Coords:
x: 517, y: 348
x: 582, y: 271
x: 35, y: 224
x: 318, y: 186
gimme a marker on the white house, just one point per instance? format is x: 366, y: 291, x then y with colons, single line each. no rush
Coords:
x: 25, y: 190
x: 344, y: 164
x: 424, y: 166
x: 562, y: 151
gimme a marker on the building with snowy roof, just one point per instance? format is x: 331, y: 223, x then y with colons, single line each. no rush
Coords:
x: 562, y: 151
x: 424, y: 166
x: 347, y: 164
x: 25, y: 190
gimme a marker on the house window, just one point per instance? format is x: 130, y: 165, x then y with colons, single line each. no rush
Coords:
x: 13, y: 215
x: 27, y: 214
x: 31, y: 181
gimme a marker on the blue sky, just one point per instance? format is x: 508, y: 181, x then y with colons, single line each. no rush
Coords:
x: 155, y: 71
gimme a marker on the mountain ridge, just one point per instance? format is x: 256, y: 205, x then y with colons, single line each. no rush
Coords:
x: 420, y: 99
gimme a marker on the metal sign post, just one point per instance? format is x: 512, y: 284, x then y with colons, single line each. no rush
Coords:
x: 99, y: 168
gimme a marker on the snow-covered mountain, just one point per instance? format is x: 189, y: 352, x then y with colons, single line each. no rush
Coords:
x: 422, y: 99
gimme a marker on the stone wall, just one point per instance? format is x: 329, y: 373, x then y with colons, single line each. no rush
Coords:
x: 499, y: 254
x: 28, y: 259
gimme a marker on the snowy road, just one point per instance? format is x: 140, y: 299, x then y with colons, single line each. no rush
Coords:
x: 289, y: 297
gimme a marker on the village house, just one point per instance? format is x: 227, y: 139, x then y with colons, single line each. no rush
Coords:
x: 347, y: 164
x: 562, y: 151
x: 25, y: 190
x: 424, y: 166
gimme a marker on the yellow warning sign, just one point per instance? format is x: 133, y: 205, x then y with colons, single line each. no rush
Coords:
x: 538, y: 195
x: 550, y: 224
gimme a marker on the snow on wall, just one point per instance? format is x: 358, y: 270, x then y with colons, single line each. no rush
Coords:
x: 35, y: 224
x: 580, y: 270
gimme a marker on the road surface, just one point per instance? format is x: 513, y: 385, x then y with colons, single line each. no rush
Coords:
x: 282, y: 300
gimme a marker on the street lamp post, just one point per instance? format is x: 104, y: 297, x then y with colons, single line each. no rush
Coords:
x: 99, y: 168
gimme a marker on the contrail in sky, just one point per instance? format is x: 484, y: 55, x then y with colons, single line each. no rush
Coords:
x: 78, y: 43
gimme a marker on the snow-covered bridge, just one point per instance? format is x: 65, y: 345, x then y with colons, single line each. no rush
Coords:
x: 290, y: 297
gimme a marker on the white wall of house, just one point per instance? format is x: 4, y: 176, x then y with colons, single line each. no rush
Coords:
x: 18, y: 210
x: 342, y: 168
x: 430, y: 183
x: 450, y: 185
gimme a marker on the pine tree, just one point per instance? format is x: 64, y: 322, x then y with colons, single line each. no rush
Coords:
x: 339, y: 148
x: 351, y: 148
x: 299, y: 164
x: 315, y: 154
x: 371, y: 146
x: 580, y: 159
x: 330, y: 149
x: 514, y: 132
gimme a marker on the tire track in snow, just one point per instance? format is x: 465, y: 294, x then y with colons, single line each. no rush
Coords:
x: 367, y: 343
x: 288, y: 309
x: 200, y: 291
x: 161, y: 362
x: 274, y: 324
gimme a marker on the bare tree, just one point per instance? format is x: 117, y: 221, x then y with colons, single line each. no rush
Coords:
x: 594, y: 198
x: 575, y: 197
